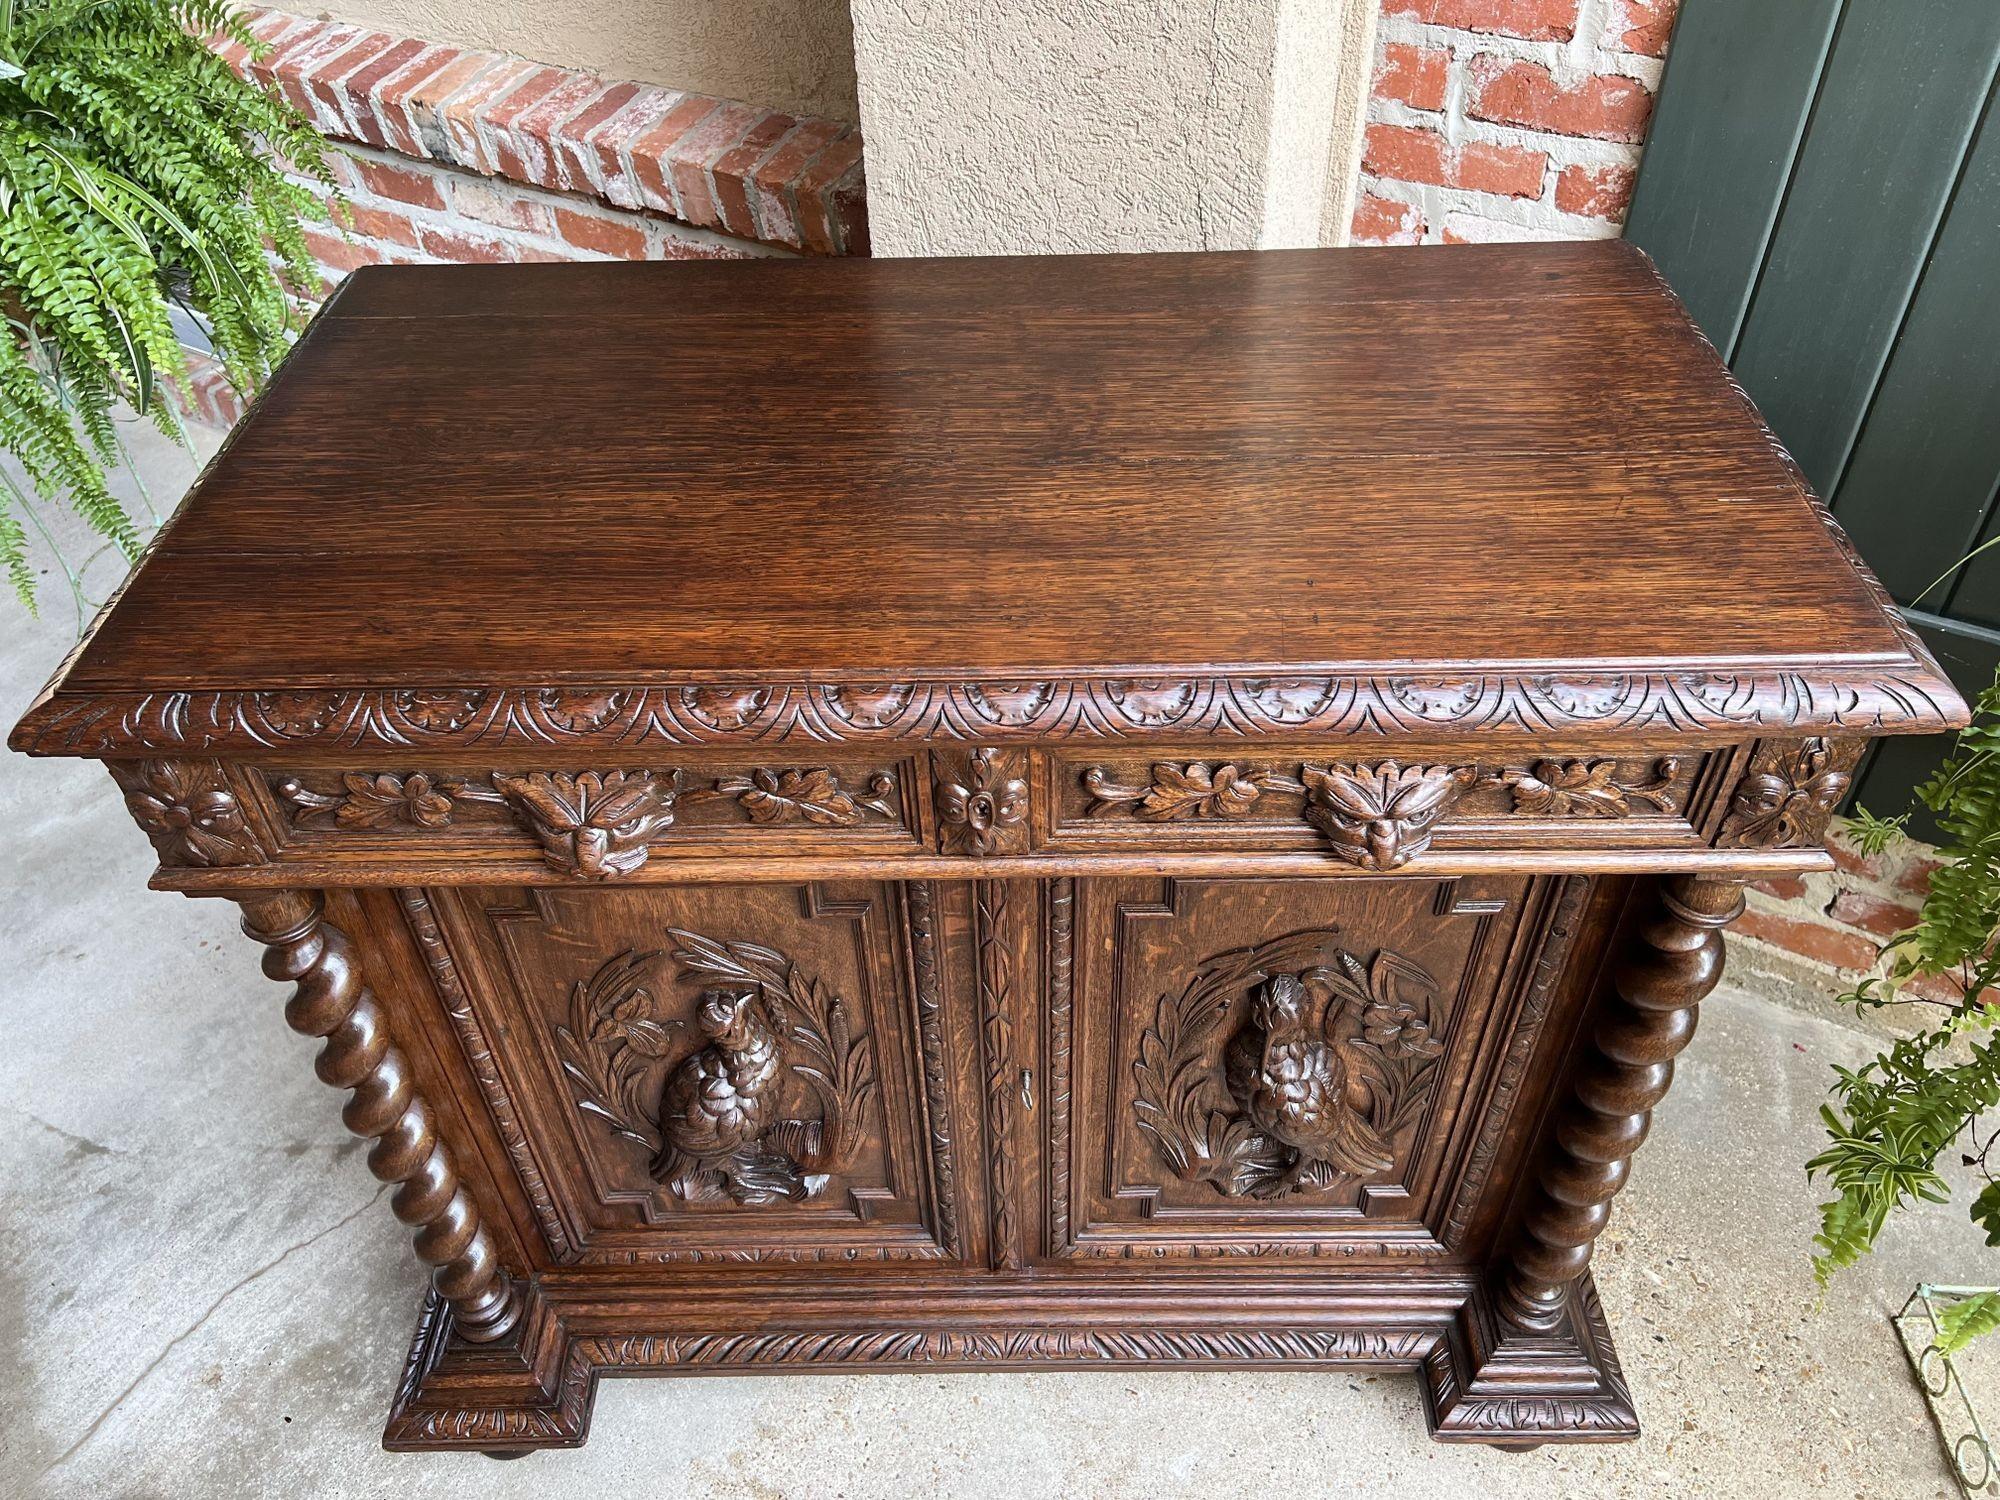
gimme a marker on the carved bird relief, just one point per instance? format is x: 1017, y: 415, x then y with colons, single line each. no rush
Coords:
x: 724, y: 1121
x: 1322, y: 1070
x: 718, y: 1110
x: 1292, y: 1083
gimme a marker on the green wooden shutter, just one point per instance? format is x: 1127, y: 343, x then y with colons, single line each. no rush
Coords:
x: 1822, y: 185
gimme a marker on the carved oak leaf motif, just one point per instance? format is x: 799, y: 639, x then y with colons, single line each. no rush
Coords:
x: 1290, y: 700
x: 594, y: 825
x: 1438, y: 699
x: 297, y: 713
x: 371, y: 801
x: 725, y: 707
x: 1010, y: 702
x: 1561, y: 789
x: 869, y: 705
x: 580, y: 712
x: 1787, y: 795
x: 438, y: 711
x: 1196, y: 790
x: 1151, y: 700
x: 187, y: 806
x: 813, y: 795
x: 1381, y: 817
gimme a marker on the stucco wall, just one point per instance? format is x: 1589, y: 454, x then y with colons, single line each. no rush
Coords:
x: 1079, y: 125
x: 791, y: 55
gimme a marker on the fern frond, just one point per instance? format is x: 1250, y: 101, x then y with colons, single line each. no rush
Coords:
x: 137, y: 171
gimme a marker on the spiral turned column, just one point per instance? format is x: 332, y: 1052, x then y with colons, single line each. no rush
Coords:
x: 1669, y: 964
x: 332, y: 1002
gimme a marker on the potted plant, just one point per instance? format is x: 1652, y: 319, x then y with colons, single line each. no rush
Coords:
x: 138, y: 174
x: 1934, y: 1090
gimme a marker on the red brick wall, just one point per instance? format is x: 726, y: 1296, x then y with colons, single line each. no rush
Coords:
x: 1507, y: 119
x: 453, y: 154
x: 1823, y: 931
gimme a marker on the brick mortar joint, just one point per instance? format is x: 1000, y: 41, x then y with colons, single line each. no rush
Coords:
x: 794, y: 182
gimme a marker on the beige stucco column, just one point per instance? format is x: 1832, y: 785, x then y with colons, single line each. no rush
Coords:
x: 1076, y: 125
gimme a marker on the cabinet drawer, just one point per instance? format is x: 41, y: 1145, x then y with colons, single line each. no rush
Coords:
x: 1376, y: 814
x: 594, y: 824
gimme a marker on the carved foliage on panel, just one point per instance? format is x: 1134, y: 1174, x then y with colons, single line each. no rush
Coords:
x: 1381, y: 817
x: 371, y: 800
x: 1287, y: 1068
x: 1376, y: 816
x: 1194, y: 790
x: 189, y: 811
x: 1789, y: 792
x: 593, y: 825
x: 722, y: 1110
x: 1587, y: 788
x: 812, y: 795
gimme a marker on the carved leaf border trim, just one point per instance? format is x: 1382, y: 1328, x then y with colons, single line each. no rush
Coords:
x: 1902, y: 698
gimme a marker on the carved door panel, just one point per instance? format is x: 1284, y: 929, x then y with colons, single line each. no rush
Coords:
x: 704, y: 1074
x: 1278, y: 1066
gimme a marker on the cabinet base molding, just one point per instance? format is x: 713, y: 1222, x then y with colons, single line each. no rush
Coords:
x: 1482, y: 1382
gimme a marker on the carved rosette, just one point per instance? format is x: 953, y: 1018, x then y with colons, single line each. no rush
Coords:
x: 1381, y: 817
x: 1789, y: 792
x: 189, y: 811
x: 982, y: 801
x: 714, y: 1114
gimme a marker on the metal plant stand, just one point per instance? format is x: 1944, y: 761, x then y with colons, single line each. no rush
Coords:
x: 1952, y: 1410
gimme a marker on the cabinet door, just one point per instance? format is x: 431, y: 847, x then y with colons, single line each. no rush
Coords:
x: 1288, y: 1067
x: 690, y: 1075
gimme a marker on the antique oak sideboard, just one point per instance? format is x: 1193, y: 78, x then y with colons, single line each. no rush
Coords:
x: 993, y: 814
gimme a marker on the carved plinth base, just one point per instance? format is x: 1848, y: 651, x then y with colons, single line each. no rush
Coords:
x: 535, y: 1389
x: 1489, y: 1382
x: 523, y: 1392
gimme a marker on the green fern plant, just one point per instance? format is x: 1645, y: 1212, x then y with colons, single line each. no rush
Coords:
x: 1891, y: 1120
x: 137, y: 173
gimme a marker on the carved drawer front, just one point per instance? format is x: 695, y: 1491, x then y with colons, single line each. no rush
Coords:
x: 594, y: 823
x: 1282, y: 1067
x: 1375, y: 814
x: 722, y: 1074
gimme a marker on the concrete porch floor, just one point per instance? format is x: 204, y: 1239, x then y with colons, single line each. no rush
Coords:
x: 203, y: 1293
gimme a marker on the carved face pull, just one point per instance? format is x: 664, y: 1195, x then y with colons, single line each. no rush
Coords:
x: 1381, y: 817
x: 594, y: 825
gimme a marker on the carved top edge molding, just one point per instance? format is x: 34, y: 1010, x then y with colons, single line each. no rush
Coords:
x: 1911, y: 699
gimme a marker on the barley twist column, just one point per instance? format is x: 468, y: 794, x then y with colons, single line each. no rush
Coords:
x: 333, y: 1003
x: 1670, y: 963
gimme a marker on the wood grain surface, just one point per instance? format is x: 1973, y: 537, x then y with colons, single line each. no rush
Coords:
x: 1343, y: 464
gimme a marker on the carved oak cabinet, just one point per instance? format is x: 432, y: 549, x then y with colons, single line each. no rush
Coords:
x: 986, y: 814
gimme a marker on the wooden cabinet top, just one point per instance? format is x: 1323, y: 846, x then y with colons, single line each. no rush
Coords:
x: 1473, y: 492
